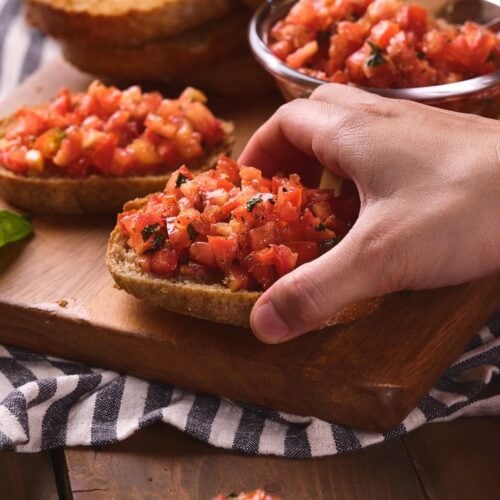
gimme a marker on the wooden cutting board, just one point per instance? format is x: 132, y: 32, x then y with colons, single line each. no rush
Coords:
x: 57, y: 297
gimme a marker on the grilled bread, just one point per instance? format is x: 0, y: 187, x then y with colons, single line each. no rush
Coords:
x: 122, y: 22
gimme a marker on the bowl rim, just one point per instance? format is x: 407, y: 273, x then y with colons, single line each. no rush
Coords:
x: 279, y: 69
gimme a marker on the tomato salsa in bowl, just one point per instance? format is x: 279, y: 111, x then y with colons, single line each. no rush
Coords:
x: 388, y: 47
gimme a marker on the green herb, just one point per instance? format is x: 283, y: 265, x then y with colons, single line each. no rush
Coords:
x: 232, y: 495
x: 320, y: 227
x: 181, y: 179
x: 148, y: 231
x: 323, y: 36
x: 376, y: 59
x: 13, y: 227
x: 328, y: 244
x: 420, y: 54
x: 491, y: 57
x: 252, y: 202
x: 158, y: 242
x: 192, y: 232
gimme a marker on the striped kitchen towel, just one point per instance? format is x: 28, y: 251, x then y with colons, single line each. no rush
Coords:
x: 47, y: 403
x: 22, y: 49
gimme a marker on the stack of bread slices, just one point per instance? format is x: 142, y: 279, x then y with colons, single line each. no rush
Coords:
x: 185, y: 42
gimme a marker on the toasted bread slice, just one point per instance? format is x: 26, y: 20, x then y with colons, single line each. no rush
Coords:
x: 94, y: 194
x: 122, y: 22
x: 238, y: 76
x: 211, y: 302
x: 162, y: 59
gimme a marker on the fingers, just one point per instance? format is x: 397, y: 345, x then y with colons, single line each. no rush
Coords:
x: 314, y: 292
x: 292, y: 139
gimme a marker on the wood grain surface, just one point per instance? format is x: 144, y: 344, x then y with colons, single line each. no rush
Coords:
x: 160, y: 462
x: 56, y: 296
x: 27, y: 477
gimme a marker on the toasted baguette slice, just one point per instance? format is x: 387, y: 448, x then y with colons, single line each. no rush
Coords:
x: 121, y: 22
x: 162, y: 59
x: 211, y: 302
x: 94, y: 194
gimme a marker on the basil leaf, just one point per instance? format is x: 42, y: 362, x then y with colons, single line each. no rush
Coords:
x: 376, y: 59
x: 148, y: 231
x: 328, y: 244
x: 320, y: 227
x: 192, y: 232
x: 13, y: 227
x: 252, y: 202
x: 181, y: 179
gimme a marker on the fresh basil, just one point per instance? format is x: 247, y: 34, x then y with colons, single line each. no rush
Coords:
x: 149, y: 230
x: 328, y: 244
x: 252, y: 202
x: 181, y: 179
x: 192, y: 232
x: 376, y: 59
x: 13, y: 227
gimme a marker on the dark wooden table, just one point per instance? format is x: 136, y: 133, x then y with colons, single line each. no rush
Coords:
x: 456, y: 460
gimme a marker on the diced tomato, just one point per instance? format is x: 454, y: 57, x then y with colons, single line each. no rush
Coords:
x: 203, y: 253
x: 383, y: 31
x: 237, y: 278
x: 263, y: 236
x: 164, y: 262
x: 328, y: 40
x: 225, y: 250
x: 196, y: 272
x: 246, y: 242
x: 106, y: 131
x: 26, y: 123
x: 285, y: 259
x: 305, y: 250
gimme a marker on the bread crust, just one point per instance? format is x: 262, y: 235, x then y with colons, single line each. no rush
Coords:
x: 162, y: 59
x: 94, y: 194
x: 122, y: 22
x: 210, y: 302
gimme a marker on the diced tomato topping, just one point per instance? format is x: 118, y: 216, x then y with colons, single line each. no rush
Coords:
x: 245, y: 235
x: 109, y: 132
x: 164, y: 262
x: 381, y: 43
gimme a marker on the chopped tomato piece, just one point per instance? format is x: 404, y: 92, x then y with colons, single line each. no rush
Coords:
x: 164, y: 262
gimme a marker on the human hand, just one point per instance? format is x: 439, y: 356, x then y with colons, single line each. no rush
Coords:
x: 429, y: 184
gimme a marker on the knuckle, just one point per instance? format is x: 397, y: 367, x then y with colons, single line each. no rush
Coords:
x: 323, y: 91
x: 301, y: 301
x: 377, y: 108
x: 384, y: 255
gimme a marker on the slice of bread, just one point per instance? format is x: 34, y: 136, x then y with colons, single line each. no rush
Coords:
x: 162, y: 59
x: 211, y: 302
x: 121, y: 22
x: 94, y: 194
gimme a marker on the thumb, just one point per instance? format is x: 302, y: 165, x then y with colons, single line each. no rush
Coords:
x: 310, y: 295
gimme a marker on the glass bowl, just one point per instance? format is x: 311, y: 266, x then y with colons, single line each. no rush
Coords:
x: 480, y: 95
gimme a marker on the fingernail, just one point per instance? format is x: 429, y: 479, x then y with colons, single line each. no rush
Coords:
x: 268, y: 325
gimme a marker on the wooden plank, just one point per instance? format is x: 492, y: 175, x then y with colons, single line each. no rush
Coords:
x: 369, y: 374
x: 27, y: 477
x: 458, y: 460
x: 160, y: 462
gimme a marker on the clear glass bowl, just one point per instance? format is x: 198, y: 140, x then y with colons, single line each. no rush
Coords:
x: 480, y: 95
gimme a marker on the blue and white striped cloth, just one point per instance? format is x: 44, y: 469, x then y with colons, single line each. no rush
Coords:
x: 47, y: 403
x: 22, y: 49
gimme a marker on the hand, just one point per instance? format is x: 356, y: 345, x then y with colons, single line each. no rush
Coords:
x: 429, y: 183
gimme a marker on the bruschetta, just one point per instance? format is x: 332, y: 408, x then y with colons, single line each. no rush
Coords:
x: 90, y: 152
x: 208, y: 245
